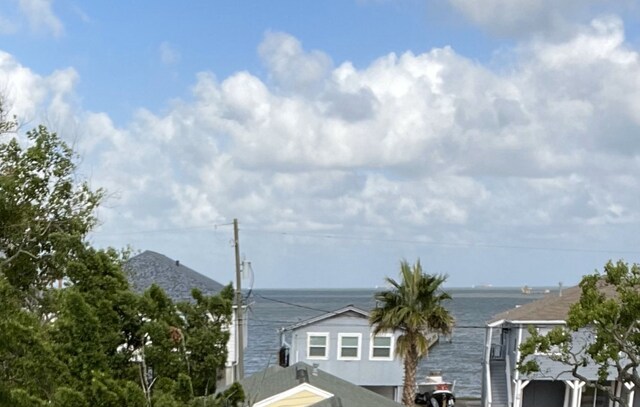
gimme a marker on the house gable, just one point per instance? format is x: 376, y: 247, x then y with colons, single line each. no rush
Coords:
x: 348, y: 311
x: 277, y: 384
x: 302, y: 395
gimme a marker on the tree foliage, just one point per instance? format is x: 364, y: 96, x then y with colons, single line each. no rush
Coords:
x: 45, y: 213
x: 72, y: 332
x: 602, y: 331
x: 414, y: 305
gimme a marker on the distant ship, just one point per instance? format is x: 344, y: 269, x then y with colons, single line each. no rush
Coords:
x: 528, y: 290
x: 482, y: 286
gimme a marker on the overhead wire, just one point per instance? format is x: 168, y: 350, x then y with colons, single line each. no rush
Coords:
x: 436, y: 243
x: 328, y: 312
x: 163, y: 230
x: 362, y: 238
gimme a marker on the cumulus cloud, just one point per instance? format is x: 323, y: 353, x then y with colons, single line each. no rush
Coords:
x: 434, y: 146
x: 290, y: 66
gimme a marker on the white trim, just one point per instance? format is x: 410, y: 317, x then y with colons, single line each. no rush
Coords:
x: 363, y: 314
x: 326, y: 345
x: 358, y: 348
x: 495, y: 323
x: 288, y: 393
x: 544, y: 331
x: 537, y: 322
x: 520, y: 329
x: 391, y: 347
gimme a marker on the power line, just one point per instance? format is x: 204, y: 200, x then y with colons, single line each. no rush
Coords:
x: 266, y: 322
x: 291, y: 303
x: 163, y: 230
x: 360, y: 238
x: 442, y: 244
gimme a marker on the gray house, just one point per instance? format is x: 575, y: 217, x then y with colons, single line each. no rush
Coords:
x: 504, y: 386
x: 341, y: 343
x: 304, y: 385
x: 177, y: 280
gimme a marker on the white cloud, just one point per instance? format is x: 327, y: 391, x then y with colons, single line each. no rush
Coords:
x: 290, y: 66
x: 520, y: 18
x: 434, y: 146
x: 41, y: 17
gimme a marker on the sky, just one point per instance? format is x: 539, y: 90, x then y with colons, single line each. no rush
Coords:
x: 498, y: 141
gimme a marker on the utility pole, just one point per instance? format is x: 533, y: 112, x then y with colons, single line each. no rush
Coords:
x: 239, y: 310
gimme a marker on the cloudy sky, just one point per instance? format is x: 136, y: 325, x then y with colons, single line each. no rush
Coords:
x: 496, y: 140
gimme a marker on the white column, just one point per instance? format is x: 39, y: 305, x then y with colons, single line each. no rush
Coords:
x: 519, y: 391
x: 576, y: 392
x: 632, y: 391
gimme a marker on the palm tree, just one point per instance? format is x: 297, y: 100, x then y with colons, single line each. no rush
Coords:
x: 414, y: 306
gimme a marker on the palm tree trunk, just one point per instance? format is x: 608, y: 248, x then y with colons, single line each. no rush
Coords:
x: 410, y: 368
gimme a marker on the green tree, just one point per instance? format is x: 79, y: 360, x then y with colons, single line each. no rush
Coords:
x: 45, y: 213
x: 602, y: 330
x: 7, y: 125
x: 414, y: 306
x: 72, y: 332
x: 205, y: 320
x: 28, y: 362
x: 185, y: 338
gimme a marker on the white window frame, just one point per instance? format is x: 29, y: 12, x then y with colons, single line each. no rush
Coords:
x: 326, y: 345
x: 391, y: 347
x: 358, y: 348
x: 544, y: 330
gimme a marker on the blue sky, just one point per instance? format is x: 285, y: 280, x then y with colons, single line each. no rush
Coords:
x: 497, y: 140
x: 103, y: 42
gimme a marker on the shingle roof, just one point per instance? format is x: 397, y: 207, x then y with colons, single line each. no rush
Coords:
x: 275, y: 380
x: 553, y: 307
x: 348, y: 310
x: 174, y: 278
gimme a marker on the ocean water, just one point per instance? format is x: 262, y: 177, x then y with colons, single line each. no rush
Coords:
x: 458, y: 359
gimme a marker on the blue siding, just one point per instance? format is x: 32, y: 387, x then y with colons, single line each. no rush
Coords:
x: 363, y: 372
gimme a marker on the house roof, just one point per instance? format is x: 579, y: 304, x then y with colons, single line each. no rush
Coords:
x: 275, y: 380
x: 553, y: 307
x: 349, y: 310
x: 174, y: 278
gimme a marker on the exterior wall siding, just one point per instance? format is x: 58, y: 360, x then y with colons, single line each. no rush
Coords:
x: 556, y: 370
x: 363, y: 371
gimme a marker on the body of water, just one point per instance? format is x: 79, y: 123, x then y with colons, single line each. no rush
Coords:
x: 459, y: 359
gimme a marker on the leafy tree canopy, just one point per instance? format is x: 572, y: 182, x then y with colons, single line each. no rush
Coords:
x: 72, y: 332
x: 45, y: 213
x: 602, y: 330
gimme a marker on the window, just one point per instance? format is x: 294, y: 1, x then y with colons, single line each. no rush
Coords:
x: 546, y: 331
x: 382, y: 347
x: 317, y: 345
x: 349, y: 346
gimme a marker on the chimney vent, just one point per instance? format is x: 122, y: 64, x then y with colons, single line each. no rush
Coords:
x: 302, y: 375
x: 177, y: 263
